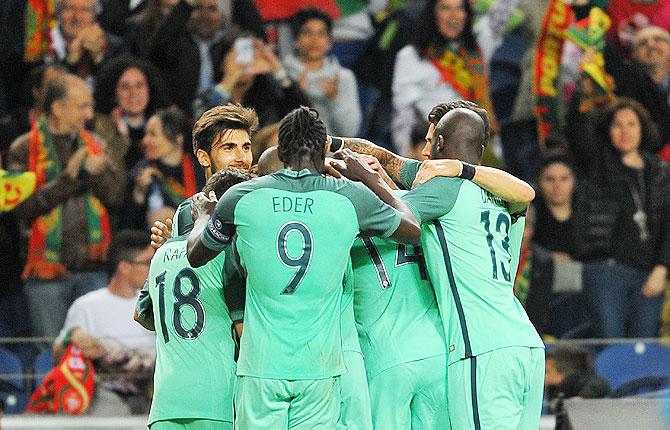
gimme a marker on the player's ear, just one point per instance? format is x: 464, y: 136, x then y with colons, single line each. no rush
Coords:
x: 203, y: 158
x: 440, y: 143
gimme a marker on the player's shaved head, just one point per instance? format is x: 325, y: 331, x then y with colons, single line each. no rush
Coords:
x: 460, y: 134
x: 269, y: 162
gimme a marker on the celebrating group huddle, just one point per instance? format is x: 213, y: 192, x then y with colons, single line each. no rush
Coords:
x: 356, y: 304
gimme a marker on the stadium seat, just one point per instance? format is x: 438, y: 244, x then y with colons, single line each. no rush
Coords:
x: 10, y: 365
x: 623, y: 364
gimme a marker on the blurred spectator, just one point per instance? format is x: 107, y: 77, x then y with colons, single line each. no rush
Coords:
x: 101, y: 324
x: 625, y: 292
x: 262, y: 84
x: 77, y: 183
x: 141, y: 26
x: 331, y: 88
x: 263, y: 139
x: 189, y: 44
x: 443, y: 63
x: 569, y: 371
x: 165, y: 176
x: 114, y: 14
x: 23, y: 117
x: 78, y: 41
x: 651, y: 48
x: 127, y: 92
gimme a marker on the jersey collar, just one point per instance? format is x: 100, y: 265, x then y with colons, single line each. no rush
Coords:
x: 297, y: 174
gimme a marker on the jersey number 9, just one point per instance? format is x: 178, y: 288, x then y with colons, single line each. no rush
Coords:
x: 302, y: 261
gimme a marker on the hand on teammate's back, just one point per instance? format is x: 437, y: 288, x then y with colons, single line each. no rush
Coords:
x: 432, y: 168
x: 160, y: 233
x: 203, y: 204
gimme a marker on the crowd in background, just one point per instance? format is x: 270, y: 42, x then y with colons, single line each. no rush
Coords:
x: 98, y: 97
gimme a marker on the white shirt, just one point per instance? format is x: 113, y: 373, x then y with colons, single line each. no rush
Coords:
x: 109, y: 318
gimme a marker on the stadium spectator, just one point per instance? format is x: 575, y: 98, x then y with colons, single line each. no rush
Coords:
x: 23, y: 117
x: 77, y: 183
x: 625, y: 292
x: 262, y: 84
x: 189, y: 44
x: 443, y: 63
x: 651, y: 48
x: 331, y: 88
x: 79, y: 42
x: 101, y: 324
x: 127, y: 92
x: 141, y: 26
x: 570, y: 373
x: 165, y: 176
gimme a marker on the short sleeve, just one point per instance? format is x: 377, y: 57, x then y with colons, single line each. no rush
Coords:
x: 76, y: 317
x: 234, y: 284
x: 144, y: 306
x: 375, y: 217
x: 433, y: 199
x: 182, y: 220
x: 221, y: 226
x: 408, y: 172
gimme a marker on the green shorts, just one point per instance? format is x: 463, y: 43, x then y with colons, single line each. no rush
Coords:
x: 354, y: 395
x: 279, y: 404
x: 411, y: 395
x: 191, y: 424
x: 500, y: 390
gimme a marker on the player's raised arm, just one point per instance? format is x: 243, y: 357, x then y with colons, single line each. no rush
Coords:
x: 510, y: 188
x: 207, y: 239
x: 392, y: 163
x: 356, y: 169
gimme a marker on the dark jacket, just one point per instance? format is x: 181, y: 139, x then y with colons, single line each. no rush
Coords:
x: 173, y: 49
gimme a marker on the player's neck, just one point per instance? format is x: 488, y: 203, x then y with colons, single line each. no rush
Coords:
x: 304, y: 163
x: 119, y: 287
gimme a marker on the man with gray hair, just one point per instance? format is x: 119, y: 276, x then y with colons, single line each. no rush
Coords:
x: 78, y: 41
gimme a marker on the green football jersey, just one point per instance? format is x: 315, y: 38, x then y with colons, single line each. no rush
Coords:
x: 195, y: 368
x: 348, y: 322
x: 182, y: 221
x: 467, y: 239
x: 294, y: 231
x: 396, y: 313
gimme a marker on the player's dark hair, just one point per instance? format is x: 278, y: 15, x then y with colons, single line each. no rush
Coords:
x: 301, y: 134
x: 307, y: 14
x: 570, y: 359
x: 218, y: 120
x: 440, y: 110
x: 125, y: 246
x: 220, y: 181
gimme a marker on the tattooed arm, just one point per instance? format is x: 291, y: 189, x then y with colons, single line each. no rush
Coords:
x: 391, y: 162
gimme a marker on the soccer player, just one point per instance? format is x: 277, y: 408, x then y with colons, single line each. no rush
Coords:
x: 293, y: 231
x: 401, y: 335
x: 193, y: 332
x: 221, y: 139
x: 471, y: 241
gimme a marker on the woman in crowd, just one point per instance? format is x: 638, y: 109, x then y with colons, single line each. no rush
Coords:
x: 128, y: 91
x: 331, y: 88
x: 626, y: 291
x: 443, y: 63
x: 165, y: 176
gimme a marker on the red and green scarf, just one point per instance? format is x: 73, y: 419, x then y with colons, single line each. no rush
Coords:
x: 44, y: 247
x: 175, y: 191
x: 464, y: 70
x: 39, y: 20
x: 546, y: 67
x: 68, y: 387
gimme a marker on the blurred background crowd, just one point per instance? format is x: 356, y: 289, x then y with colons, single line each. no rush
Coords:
x: 97, y: 98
